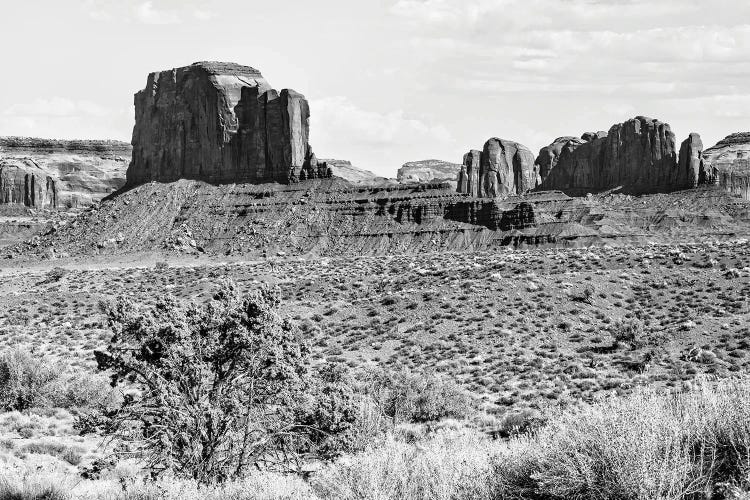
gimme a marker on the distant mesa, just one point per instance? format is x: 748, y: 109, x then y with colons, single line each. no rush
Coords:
x: 639, y: 156
x: 502, y: 168
x: 730, y: 159
x: 220, y: 123
x: 345, y: 170
x: 429, y: 171
x: 23, y: 183
x: 60, y: 174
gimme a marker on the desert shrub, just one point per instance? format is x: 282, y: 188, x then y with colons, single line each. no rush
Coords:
x: 69, y: 454
x: 405, y: 396
x: 28, y: 382
x: 647, y: 445
x: 225, y: 387
x: 448, y: 466
x: 629, y: 332
x: 55, y: 274
x: 25, y: 380
x: 30, y: 489
x: 81, y: 390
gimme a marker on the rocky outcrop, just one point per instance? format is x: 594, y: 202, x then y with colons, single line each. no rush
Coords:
x: 345, y: 170
x: 23, y: 183
x: 550, y: 155
x: 692, y: 164
x: 472, y: 165
x: 502, y: 168
x: 638, y: 156
x: 84, y: 171
x: 220, y: 123
x: 730, y: 163
x: 428, y: 171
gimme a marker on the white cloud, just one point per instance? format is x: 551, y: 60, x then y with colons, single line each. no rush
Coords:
x: 154, y: 12
x: 148, y: 14
x: 55, y: 107
x: 58, y: 117
x: 380, y: 142
x: 340, y: 118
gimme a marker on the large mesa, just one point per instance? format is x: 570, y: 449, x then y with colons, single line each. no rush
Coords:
x: 638, y: 156
x: 220, y: 123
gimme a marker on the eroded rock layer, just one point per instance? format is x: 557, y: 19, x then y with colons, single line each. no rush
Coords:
x: 730, y: 163
x: 638, y: 156
x: 220, y: 123
x: 333, y: 217
x: 84, y: 171
x: 23, y: 183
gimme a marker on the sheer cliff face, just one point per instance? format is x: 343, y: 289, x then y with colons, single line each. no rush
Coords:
x: 503, y: 168
x: 639, y: 155
x: 23, y: 183
x: 220, y: 123
x: 82, y: 171
x: 730, y: 163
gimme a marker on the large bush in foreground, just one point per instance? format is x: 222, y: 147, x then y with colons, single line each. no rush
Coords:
x: 224, y: 387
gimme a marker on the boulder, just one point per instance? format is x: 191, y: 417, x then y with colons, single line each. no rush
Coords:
x: 23, y: 183
x: 219, y: 123
x: 639, y: 156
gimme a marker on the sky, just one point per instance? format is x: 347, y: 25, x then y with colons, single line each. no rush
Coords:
x: 391, y: 81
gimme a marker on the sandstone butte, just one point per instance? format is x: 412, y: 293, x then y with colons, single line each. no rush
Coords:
x: 502, y: 168
x: 639, y: 156
x: 220, y: 123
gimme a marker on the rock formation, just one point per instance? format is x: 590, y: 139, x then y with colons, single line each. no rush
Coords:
x: 549, y: 155
x: 692, y: 163
x: 429, y: 171
x: 639, y: 156
x: 730, y: 164
x: 502, y: 168
x: 345, y: 170
x: 23, y: 183
x: 83, y: 171
x: 472, y: 165
x: 220, y: 123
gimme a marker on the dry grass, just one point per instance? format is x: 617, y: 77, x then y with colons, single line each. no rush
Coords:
x: 648, y: 445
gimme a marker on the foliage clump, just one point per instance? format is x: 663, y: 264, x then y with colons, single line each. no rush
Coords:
x: 406, y: 396
x: 222, y: 388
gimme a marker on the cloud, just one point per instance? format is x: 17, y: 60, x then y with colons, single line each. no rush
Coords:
x: 339, y: 117
x: 146, y: 13
x: 377, y: 141
x: 56, y: 116
x: 152, y: 12
x: 55, y: 107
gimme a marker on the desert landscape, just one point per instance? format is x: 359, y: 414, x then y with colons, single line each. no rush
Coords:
x: 213, y: 311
